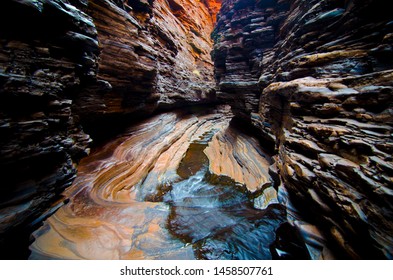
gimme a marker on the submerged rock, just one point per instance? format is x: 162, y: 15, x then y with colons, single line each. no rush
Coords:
x: 323, y: 99
x: 147, y: 195
x: 311, y: 81
x: 74, y: 70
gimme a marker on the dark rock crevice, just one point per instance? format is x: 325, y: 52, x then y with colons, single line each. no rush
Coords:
x: 311, y: 79
x: 71, y: 69
x: 321, y: 90
x: 40, y: 139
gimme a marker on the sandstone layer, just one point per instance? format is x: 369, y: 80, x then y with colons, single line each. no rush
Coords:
x: 72, y: 70
x: 315, y: 79
x: 131, y: 200
x: 43, y: 58
x: 237, y: 156
x: 152, y: 54
x: 107, y: 216
x: 312, y: 78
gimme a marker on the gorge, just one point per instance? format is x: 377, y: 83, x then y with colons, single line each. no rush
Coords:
x: 196, y: 129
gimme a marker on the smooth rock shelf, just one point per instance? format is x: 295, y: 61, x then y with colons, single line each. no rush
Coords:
x: 158, y: 192
x: 209, y: 129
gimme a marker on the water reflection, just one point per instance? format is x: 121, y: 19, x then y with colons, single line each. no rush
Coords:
x: 219, y: 219
x: 149, y: 194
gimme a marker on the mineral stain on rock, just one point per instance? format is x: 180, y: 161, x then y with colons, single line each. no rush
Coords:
x: 182, y: 129
x: 217, y: 216
x: 184, y: 215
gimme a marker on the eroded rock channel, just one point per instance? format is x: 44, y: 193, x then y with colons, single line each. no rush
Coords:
x: 158, y: 192
x: 119, y: 110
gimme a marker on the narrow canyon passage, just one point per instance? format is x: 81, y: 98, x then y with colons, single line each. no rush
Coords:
x: 196, y: 129
x: 177, y: 186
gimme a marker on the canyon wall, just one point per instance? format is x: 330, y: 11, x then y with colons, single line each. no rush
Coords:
x: 314, y: 78
x: 73, y: 70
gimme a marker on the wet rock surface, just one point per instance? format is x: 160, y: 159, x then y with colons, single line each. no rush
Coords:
x: 310, y: 81
x: 149, y: 195
x: 40, y: 137
x: 75, y: 70
x: 320, y: 90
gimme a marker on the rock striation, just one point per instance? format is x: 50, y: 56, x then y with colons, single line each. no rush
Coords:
x: 153, y: 54
x: 44, y: 59
x: 108, y: 216
x: 245, y: 34
x: 71, y: 69
x: 237, y: 156
x: 315, y: 79
x: 145, y: 194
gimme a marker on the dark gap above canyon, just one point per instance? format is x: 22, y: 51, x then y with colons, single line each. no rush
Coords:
x: 196, y: 129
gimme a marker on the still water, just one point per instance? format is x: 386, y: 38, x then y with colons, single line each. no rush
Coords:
x: 157, y: 192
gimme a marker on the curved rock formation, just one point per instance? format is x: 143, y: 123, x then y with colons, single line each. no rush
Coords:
x: 48, y: 50
x: 131, y: 198
x: 152, y: 54
x: 72, y: 63
x: 238, y: 156
x: 311, y: 80
x: 315, y: 79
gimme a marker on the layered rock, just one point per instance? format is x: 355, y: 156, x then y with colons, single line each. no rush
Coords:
x: 245, y: 34
x: 153, y: 54
x: 337, y: 156
x: 325, y: 101
x: 237, y: 156
x: 312, y: 77
x: 43, y: 59
x: 145, y: 195
x: 70, y: 68
x: 107, y: 216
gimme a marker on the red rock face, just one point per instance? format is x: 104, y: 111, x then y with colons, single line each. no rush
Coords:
x: 313, y: 77
x: 154, y: 55
x: 96, y: 63
x: 214, y: 7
